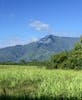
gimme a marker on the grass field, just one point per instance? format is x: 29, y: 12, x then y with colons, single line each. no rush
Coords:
x: 33, y: 83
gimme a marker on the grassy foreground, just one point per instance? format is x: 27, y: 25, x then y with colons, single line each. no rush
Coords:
x: 32, y: 83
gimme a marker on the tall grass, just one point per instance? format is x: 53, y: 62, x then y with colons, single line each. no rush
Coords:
x: 32, y: 82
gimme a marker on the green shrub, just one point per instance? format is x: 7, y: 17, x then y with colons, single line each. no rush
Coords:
x: 68, y: 60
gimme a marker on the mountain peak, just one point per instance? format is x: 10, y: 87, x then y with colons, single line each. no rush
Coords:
x: 47, y: 39
x: 44, y: 48
x: 50, y: 36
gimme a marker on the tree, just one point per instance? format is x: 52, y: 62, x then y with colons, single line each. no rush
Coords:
x: 81, y: 39
x: 22, y: 61
x: 77, y: 46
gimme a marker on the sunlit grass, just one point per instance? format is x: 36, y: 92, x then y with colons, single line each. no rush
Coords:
x: 38, y: 82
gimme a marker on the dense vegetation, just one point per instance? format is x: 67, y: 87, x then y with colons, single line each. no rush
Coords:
x: 68, y: 60
x: 33, y: 83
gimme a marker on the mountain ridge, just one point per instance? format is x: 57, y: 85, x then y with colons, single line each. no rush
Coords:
x: 39, y: 50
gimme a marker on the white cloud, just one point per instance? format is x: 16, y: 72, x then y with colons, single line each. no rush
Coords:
x: 32, y: 40
x: 16, y: 41
x: 45, y: 28
x: 40, y: 27
x: 11, y: 42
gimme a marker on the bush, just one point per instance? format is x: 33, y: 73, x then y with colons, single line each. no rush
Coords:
x: 68, y: 60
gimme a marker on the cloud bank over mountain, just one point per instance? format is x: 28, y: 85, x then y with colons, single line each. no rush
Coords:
x: 40, y: 27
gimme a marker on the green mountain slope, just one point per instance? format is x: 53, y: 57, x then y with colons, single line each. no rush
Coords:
x: 40, y: 50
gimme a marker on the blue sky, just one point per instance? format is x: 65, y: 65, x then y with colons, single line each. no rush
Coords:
x: 24, y: 21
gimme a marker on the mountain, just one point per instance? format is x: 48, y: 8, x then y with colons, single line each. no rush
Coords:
x: 40, y: 50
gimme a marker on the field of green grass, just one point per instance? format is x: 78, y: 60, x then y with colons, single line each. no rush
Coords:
x: 33, y: 83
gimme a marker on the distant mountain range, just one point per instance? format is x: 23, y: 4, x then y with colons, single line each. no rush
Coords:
x: 40, y: 50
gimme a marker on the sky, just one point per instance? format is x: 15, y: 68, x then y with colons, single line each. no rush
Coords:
x: 25, y: 21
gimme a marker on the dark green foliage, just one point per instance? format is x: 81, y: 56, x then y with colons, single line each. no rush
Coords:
x: 38, y: 63
x: 56, y: 60
x: 22, y: 62
x: 81, y: 39
x: 77, y: 46
x: 68, y: 60
x: 40, y: 98
x: 8, y: 63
